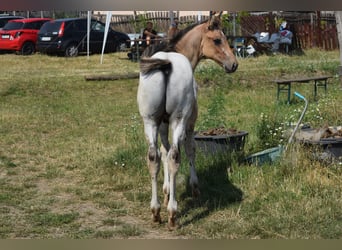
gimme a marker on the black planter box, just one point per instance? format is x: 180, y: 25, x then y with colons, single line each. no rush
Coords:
x: 331, y: 145
x: 313, y: 138
x: 213, y: 144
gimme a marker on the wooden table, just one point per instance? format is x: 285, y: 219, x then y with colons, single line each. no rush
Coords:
x: 284, y: 85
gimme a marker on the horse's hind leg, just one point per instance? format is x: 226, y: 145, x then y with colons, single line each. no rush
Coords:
x: 173, y: 163
x: 153, y: 161
x: 174, y: 159
x: 164, y: 149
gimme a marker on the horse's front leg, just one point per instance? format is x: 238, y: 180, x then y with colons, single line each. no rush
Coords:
x: 164, y: 149
x: 153, y: 161
x: 190, y: 151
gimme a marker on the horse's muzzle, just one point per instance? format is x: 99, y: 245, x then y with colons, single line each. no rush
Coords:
x: 231, y: 69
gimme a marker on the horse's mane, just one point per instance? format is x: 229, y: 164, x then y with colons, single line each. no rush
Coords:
x: 168, y: 46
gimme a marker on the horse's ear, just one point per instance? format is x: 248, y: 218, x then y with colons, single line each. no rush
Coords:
x: 215, y: 13
x: 215, y: 20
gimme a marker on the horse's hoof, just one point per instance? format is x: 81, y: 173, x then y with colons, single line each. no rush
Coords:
x: 172, y: 223
x: 156, y: 219
x: 196, y: 193
x: 156, y: 215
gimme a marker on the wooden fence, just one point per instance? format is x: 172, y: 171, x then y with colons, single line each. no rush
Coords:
x: 324, y: 37
x: 310, y: 30
x: 135, y: 24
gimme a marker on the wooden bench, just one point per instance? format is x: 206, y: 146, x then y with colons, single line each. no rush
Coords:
x: 284, y: 85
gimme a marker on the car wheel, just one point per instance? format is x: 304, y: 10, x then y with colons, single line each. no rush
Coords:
x: 71, y: 50
x: 27, y: 48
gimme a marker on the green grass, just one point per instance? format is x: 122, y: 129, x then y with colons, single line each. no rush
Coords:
x: 73, y: 153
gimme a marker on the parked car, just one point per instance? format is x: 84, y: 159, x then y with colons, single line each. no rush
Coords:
x: 5, y: 19
x: 20, y: 35
x: 68, y: 37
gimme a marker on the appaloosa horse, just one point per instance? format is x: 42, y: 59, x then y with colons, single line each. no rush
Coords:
x: 167, y: 96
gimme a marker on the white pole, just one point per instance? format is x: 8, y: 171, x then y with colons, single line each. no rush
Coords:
x: 171, y: 16
x: 108, y: 20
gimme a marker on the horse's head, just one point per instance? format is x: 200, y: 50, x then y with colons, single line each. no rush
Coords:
x: 215, y: 45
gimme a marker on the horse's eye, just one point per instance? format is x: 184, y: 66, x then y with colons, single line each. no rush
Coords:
x: 217, y: 41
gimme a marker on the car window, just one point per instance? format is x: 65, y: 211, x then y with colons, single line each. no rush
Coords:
x: 5, y: 20
x: 81, y: 25
x: 2, y: 22
x: 31, y: 26
x: 13, y: 26
x: 97, y: 26
x: 50, y: 27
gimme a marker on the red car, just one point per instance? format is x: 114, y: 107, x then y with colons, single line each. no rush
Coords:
x: 20, y: 35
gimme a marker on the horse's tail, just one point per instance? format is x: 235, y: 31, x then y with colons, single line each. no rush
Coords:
x: 148, y: 64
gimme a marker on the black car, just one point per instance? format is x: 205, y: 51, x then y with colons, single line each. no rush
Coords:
x: 69, y: 37
x: 5, y: 19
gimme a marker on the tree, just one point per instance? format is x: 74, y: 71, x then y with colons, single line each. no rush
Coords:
x: 338, y: 16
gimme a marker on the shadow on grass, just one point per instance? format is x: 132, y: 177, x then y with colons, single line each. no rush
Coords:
x: 217, y: 191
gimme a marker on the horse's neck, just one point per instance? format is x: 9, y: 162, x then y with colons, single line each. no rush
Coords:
x: 190, y: 46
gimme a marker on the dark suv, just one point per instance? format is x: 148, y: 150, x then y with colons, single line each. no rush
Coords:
x: 69, y: 37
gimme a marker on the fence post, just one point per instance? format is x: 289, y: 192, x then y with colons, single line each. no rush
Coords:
x: 338, y: 16
x: 319, y: 31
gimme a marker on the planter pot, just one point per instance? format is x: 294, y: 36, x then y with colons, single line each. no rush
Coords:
x: 228, y: 143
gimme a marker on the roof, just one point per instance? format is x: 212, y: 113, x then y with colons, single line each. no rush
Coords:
x: 181, y: 13
x: 69, y: 19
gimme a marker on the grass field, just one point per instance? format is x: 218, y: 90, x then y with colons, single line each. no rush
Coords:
x: 72, y: 153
